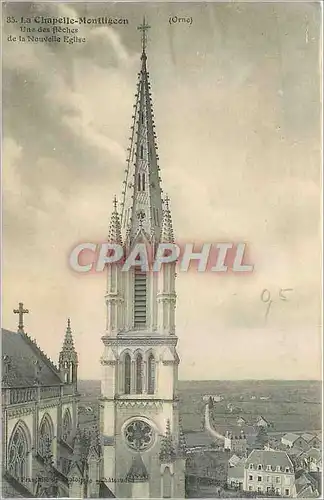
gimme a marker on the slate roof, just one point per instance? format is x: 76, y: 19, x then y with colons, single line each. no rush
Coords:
x: 23, y: 362
x: 307, y: 483
x: 294, y: 451
x: 236, y: 472
x: 266, y: 457
x: 313, y: 453
x: 307, y: 437
x: 234, y: 460
x: 290, y: 436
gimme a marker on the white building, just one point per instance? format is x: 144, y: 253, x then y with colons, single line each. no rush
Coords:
x: 269, y: 472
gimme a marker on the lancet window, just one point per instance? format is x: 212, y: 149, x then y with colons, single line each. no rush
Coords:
x: 139, y: 374
x: 127, y: 374
x: 18, y: 453
x: 45, y: 436
x: 151, y: 374
x: 67, y: 426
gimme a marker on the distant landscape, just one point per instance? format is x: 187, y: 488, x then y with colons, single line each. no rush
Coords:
x: 290, y: 405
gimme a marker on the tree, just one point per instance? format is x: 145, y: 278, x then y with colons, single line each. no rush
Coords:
x: 261, y: 439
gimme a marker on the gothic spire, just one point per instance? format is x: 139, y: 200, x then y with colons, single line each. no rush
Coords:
x: 114, y: 235
x: 68, y: 352
x: 167, y: 229
x: 167, y: 451
x: 142, y: 202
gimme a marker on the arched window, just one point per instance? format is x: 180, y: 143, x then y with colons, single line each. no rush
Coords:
x: 45, y: 436
x: 67, y: 426
x: 66, y: 373
x: 151, y: 374
x: 141, y: 152
x: 18, y: 453
x: 127, y: 368
x: 167, y: 483
x: 139, y: 374
x: 139, y: 182
x: 143, y: 182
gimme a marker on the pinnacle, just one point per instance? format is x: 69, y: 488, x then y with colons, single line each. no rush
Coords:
x: 68, y: 351
x: 167, y: 235
x: 114, y: 235
x: 68, y: 339
x: 77, y: 447
x: 182, y: 446
x: 167, y: 451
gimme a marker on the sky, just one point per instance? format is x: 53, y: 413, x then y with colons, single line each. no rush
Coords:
x: 236, y: 98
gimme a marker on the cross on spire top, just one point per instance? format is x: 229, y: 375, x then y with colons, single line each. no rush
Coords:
x: 143, y: 28
x: 21, y: 311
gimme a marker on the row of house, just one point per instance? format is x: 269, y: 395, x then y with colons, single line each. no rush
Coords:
x: 301, y: 441
x: 260, y: 421
x: 215, y: 398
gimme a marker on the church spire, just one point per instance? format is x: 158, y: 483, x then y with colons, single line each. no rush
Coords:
x: 142, y: 202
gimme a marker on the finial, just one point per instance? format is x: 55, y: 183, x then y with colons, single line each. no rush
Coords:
x: 143, y: 28
x: 69, y: 324
x: 21, y: 311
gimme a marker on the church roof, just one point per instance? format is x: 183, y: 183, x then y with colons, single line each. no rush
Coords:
x: 142, y: 199
x: 24, y: 363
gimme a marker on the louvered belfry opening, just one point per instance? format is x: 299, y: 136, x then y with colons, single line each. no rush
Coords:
x: 140, y: 292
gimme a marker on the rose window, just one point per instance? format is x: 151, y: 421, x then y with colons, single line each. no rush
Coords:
x: 139, y: 435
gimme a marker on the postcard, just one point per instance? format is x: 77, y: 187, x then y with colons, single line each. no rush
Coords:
x: 161, y: 249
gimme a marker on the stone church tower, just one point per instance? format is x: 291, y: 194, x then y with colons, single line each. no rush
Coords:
x: 143, y: 445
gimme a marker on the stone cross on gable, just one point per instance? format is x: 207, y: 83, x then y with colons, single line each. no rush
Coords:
x: 21, y: 311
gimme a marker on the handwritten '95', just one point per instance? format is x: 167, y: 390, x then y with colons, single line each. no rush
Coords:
x: 266, y: 298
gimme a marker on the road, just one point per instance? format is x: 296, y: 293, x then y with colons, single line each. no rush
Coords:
x: 208, y: 426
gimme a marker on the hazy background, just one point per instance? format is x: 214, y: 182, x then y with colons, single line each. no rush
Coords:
x: 237, y: 108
